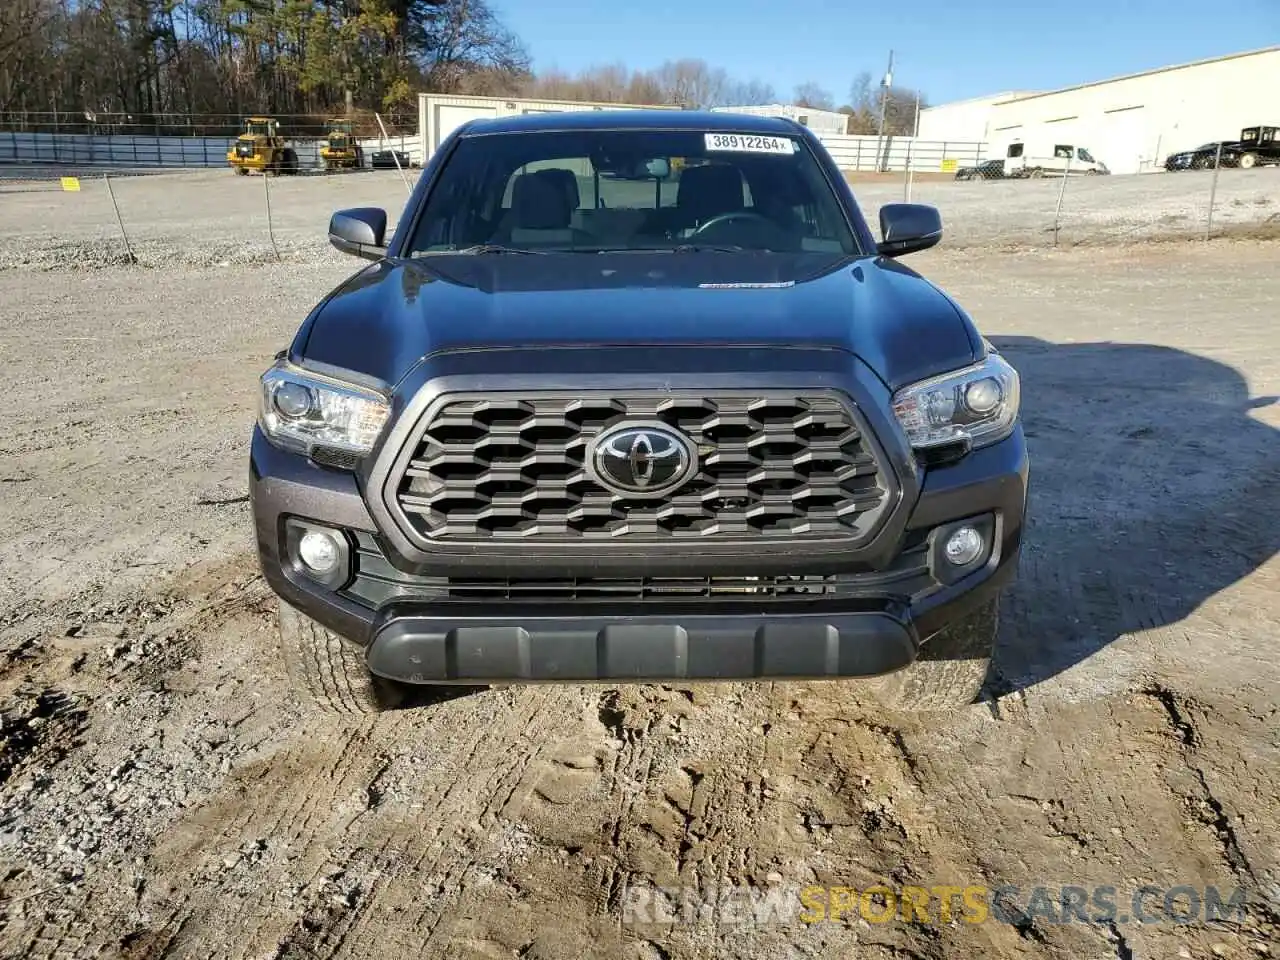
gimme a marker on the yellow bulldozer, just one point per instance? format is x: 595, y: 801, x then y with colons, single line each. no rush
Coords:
x: 262, y: 148
x: 341, y: 150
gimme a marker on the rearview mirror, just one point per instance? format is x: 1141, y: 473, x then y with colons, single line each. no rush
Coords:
x: 359, y: 231
x: 658, y: 168
x: 633, y: 168
x: 908, y: 228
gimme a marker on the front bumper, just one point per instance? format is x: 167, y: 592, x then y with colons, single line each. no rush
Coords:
x: 872, y: 629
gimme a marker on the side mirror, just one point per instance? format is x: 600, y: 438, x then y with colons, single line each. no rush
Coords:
x: 908, y: 228
x: 360, y: 231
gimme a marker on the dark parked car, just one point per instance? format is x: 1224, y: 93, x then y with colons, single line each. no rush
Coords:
x: 1259, y: 145
x: 1203, y: 157
x: 566, y: 428
x: 389, y: 160
x: 987, y: 170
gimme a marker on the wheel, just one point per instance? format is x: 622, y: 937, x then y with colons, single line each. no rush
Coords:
x: 290, y: 161
x: 330, y: 669
x: 950, y: 671
x: 1249, y: 160
x: 241, y: 172
x: 1036, y: 173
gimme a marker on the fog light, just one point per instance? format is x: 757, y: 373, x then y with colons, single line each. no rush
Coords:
x: 321, y: 552
x: 964, y: 546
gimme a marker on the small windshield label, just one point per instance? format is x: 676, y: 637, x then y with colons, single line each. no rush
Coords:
x: 740, y: 143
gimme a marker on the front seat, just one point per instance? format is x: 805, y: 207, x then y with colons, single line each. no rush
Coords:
x: 541, y: 210
x: 707, y: 192
x: 568, y: 183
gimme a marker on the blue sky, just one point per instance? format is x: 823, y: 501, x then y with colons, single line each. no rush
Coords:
x: 950, y: 49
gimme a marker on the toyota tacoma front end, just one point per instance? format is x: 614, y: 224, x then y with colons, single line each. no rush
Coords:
x: 590, y: 418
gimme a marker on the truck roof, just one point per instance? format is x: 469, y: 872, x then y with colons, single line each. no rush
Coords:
x: 633, y: 120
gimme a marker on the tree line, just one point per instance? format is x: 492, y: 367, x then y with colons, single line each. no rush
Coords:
x: 152, y: 61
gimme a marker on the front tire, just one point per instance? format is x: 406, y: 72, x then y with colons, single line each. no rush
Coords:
x: 1248, y: 161
x: 330, y: 669
x: 951, y: 669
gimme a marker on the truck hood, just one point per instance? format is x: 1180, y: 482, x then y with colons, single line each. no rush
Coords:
x: 397, y: 314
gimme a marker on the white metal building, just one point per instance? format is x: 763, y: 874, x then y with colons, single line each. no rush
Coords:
x: 439, y: 114
x: 964, y: 121
x: 1130, y: 123
x: 819, y: 121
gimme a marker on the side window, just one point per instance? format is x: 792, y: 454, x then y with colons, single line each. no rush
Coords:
x: 1062, y: 151
x: 1015, y: 150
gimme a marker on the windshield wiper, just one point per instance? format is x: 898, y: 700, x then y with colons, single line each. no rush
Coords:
x: 713, y: 248
x: 477, y: 249
x: 678, y: 248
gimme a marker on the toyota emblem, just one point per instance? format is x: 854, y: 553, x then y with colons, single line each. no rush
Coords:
x: 646, y: 460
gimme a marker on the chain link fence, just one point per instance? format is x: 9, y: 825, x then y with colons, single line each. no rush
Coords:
x: 92, y: 210
x: 1069, y: 197
x: 162, y: 141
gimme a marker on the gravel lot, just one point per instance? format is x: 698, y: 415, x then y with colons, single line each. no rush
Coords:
x: 212, y: 217
x: 161, y: 794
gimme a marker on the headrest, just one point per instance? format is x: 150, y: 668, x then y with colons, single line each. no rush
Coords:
x: 710, y: 190
x: 567, y: 181
x: 539, y: 203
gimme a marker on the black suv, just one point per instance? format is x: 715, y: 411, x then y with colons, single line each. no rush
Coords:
x: 595, y: 415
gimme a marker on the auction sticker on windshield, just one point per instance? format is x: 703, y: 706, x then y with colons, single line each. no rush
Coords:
x: 749, y: 144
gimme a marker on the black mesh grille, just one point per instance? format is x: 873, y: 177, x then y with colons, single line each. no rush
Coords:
x: 770, y: 466
x: 377, y: 582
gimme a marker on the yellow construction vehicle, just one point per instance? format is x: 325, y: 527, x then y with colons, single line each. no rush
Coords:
x: 341, y: 150
x: 262, y: 148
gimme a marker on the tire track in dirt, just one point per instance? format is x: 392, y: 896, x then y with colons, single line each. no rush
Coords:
x: 158, y: 634
x: 771, y: 785
x: 1097, y: 796
x: 481, y: 811
x: 346, y: 797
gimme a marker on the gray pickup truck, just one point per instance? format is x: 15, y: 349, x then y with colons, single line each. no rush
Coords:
x: 634, y: 397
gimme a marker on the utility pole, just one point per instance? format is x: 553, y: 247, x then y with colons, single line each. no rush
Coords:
x: 884, y: 104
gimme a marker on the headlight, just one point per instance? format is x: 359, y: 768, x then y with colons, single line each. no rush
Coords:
x: 978, y: 404
x: 303, y: 411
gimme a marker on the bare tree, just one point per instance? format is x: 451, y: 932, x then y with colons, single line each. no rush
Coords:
x: 813, y: 96
x: 464, y: 36
x: 693, y: 83
x: 749, y: 93
x: 864, y: 108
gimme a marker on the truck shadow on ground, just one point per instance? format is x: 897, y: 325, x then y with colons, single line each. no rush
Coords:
x: 1152, y: 489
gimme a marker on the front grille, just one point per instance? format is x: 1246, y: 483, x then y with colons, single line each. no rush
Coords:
x: 377, y: 582
x: 770, y: 466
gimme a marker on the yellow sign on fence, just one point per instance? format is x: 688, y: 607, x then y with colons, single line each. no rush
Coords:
x: 71, y: 184
x: 949, y: 165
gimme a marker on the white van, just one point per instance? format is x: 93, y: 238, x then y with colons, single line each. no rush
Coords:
x: 1049, y: 159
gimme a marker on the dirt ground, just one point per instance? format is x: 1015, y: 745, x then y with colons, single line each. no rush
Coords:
x: 162, y: 793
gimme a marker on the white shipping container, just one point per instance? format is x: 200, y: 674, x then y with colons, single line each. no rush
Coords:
x: 439, y: 114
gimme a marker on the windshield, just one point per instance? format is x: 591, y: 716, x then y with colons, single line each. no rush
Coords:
x: 594, y: 190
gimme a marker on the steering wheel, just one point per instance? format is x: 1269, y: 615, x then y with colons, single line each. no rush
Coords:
x: 731, y: 217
